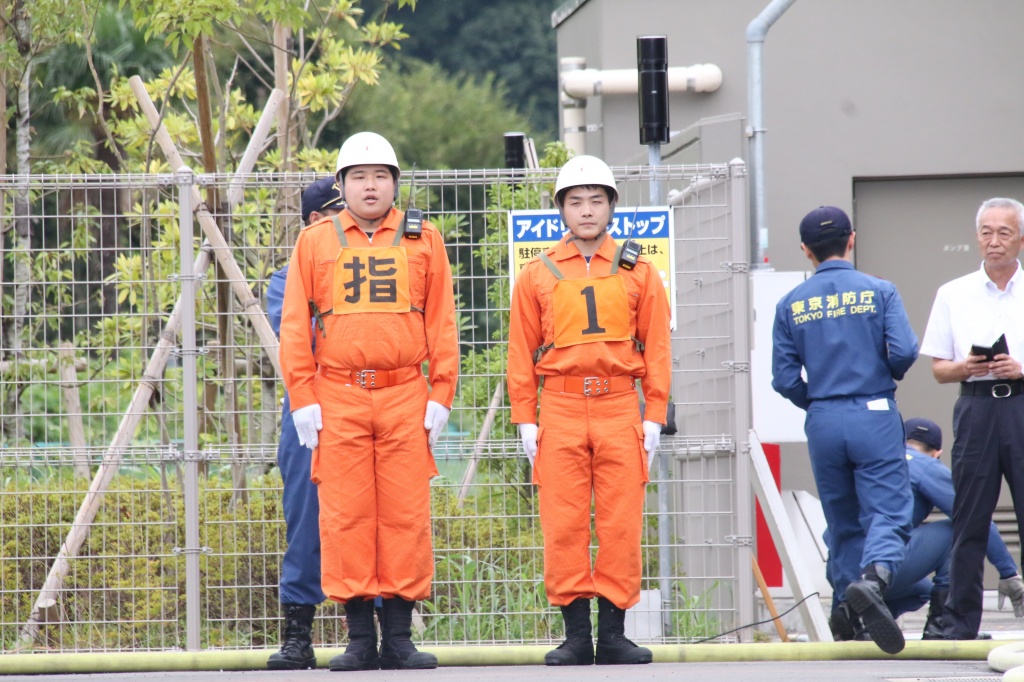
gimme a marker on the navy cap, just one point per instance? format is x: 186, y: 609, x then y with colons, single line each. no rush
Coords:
x: 323, y: 193
x: 823, y: 223
x: 924, y: 431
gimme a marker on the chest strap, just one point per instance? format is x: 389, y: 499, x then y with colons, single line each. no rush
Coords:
x: 340, y: 231
x: 550, y: 264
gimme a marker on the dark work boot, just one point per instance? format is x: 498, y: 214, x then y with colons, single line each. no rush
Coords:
x: 297, y: 648
x: 866, y: 598
x: 841, y: 624
x: 612, y: 646
x: 578, y: 647
x: 361, y: 652
x: 933, y: 625
x: 397, y: 652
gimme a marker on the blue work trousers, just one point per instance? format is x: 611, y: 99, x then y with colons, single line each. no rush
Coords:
x: 927, y: 554
x: 300, y: 568
x: 860, y: 467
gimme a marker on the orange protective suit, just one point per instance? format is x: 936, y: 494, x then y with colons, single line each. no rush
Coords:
x: 589, y: 444
x: 373, y: 464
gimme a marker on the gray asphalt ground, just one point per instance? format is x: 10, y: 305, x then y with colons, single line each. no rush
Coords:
x: 815, y: 671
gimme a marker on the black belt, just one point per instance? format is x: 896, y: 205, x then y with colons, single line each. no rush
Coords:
x: 994, y: 389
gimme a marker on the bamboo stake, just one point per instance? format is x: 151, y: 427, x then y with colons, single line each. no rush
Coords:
x: 250, y: 305
x: 73, y: 409
x: 768, y: 601
x: 485, y: 431
x: 108, y: 467
x: 256, y: 142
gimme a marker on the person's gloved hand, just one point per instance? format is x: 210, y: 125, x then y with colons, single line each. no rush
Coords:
x: 308, y: 421
x: 652, y: 436
x: 1012, y: 587
x: 435, y: 420
x: 528, y: 434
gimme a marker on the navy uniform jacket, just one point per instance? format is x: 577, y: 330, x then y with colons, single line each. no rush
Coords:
x: 848, y: 329
x: 932, y: 483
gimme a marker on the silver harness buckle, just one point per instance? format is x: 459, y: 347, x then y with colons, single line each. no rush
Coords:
x: 595, y: 386
x: 366, y: 378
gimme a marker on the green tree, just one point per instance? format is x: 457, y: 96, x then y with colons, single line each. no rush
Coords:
x: 434, y: 120
x: 511, y: 39
x: 336, y: 45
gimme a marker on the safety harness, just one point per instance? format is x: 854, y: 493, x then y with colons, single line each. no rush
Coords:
x: 319, y: 315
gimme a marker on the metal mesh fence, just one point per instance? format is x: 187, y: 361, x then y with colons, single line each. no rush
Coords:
x: 94, y: 414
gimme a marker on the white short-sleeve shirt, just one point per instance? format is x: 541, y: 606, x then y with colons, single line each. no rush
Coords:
x: 972, y: 310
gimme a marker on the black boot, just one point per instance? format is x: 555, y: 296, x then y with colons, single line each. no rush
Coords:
x: 866, y: 598
x: 612, y: 645
x: 846, y: 626
x: 933, y: 625
x: 578, y: 647
x: 361, y: 652
x: 397, y: 651
x: 297, y: 649
x: 841, y: 624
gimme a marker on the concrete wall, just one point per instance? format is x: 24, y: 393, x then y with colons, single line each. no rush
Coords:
x: 873, y: 88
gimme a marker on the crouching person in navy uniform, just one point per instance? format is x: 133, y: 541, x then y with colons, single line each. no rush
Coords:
x: 850, y: 332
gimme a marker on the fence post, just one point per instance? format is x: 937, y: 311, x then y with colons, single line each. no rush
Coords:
x: 188, y: 279
x: 741, y: 326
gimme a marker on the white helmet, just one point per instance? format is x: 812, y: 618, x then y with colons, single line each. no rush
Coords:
x: 363, y: 149
x: 585, y: 170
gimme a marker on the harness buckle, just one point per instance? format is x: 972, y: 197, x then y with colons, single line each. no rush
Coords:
x: 366, y: 378
x: 997, y: 393
x: 595, y: 386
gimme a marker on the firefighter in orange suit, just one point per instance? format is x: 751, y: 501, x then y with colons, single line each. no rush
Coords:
x: 586, y: 325
x: 370, y: 293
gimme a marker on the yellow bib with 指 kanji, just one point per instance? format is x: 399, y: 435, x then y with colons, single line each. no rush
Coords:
x: 371, y: 280
x: 590, y: 310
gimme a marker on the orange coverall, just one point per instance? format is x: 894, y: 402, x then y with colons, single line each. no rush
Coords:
x: 373, y: 465
x: 590, y: 444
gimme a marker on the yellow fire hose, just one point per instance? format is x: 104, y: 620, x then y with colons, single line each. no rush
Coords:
x: 495, y: 655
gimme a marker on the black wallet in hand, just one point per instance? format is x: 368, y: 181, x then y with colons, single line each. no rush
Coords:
x: 990, y: 352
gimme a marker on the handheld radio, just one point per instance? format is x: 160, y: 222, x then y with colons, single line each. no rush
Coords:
x: 413, y: 220
x: 630, y: 248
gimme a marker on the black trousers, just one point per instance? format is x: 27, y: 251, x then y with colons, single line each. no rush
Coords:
x: 988, y: 444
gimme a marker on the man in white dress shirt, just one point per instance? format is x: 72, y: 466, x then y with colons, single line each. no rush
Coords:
x: 969, y: 314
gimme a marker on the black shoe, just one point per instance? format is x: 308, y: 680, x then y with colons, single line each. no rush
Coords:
x: 297, y: 648
x: 397, y: 652
x: 840, y: 624
x: 933, y: 624
x: 361, y: 652
x: 612, y: 646
x: 578, y: 647
x: 865, y: 597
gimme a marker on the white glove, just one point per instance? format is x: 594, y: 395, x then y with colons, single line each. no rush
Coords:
x: 1012, y: 587
x: 528, y: 434
x: 652, y: 436
x: 436, y: 420
x: 308, y: 421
